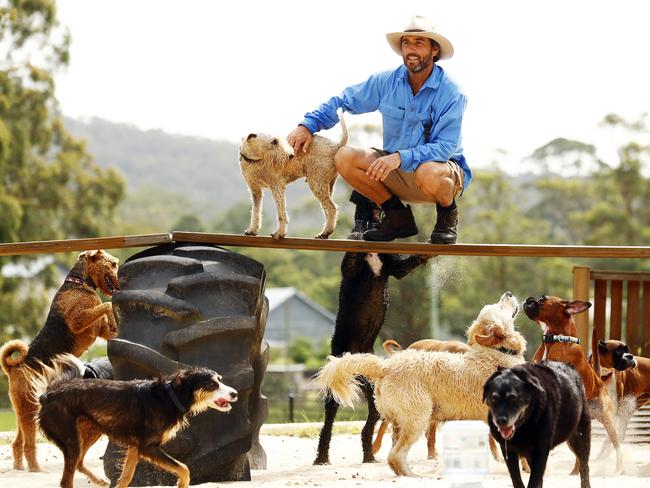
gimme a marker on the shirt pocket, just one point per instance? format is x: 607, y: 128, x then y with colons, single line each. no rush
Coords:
x: 393, y: 121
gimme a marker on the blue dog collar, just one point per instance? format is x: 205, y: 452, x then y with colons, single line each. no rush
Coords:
x: 547, y: 338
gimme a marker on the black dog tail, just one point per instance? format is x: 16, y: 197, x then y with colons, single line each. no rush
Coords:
x: 64, y: 368
x: 595, y: 356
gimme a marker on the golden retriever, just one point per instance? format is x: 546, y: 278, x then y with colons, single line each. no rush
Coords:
x: 415, y: 387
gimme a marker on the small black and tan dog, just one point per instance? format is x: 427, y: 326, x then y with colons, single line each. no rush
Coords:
x: 140, y: 415
x: 532, y: 409
x: 363, y: 301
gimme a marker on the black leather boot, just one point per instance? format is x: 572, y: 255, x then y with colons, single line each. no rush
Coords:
x: 365, y: 213
x: 397, y: 222
x: 446, y: 229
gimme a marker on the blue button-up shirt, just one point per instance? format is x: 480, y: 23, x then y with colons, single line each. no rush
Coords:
x: 438, y: 107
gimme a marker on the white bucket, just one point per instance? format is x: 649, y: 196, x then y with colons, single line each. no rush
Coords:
x: 465, y: 453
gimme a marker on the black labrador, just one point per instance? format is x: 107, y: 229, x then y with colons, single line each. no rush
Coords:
x: 532, y: 409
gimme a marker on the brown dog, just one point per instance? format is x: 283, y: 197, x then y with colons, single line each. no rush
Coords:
x: 632, y: 379
x: 77, y: 317
x: 391, y: 347
x: 555, y: 317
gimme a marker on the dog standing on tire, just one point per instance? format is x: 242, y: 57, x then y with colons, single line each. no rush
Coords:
x: 76, y: 318
x: 268, y: 162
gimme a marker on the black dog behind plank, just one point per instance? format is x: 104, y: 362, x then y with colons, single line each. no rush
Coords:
x: 363, y: 300
x: 532, y: 409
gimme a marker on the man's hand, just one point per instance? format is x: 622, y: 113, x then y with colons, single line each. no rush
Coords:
x: 299, y: 139
x: 381, y: 167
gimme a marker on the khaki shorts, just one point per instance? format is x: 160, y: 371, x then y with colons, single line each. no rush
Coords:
x: 402, y: 184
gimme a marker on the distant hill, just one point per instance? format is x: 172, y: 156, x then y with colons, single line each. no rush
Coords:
x: 205, y: 171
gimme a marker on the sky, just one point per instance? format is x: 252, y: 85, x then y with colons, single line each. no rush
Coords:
x: 532, y: 70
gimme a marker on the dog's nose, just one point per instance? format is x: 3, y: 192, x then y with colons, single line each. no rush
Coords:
x: 250, y: 136
x: 530, y: 300
x: 233, y: 395
x: 501, y: 421
x: 508, y: 294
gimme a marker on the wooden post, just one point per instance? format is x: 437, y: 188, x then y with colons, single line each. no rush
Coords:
x: 581, y: 292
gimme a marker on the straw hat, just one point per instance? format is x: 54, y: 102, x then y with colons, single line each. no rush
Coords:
x: 423, y: 27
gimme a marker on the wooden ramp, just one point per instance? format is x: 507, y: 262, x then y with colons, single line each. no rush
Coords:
x: 336, y: 245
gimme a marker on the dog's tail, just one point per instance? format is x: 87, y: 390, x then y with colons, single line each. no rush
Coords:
x: 391, y: 347
x: 64, y: 367
x: 7, y: 353
x: 344, y: 130
x: 340, y: 376
x: 594, y: 352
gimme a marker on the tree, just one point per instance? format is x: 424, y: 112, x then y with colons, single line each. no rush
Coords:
x: 52, y: 188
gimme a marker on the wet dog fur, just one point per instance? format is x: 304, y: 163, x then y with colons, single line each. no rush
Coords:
x: 414, y: 387
x: 532, y: 409
x: 76, y: 318
x: 141, y: 415
x: 363, y: 301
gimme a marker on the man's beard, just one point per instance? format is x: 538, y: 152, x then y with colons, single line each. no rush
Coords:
x: 421, y: 65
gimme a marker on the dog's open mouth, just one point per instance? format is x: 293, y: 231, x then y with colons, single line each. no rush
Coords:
x: 507, y: 432
x: 222, y: 404
x: 514, y: 314
x: 111, y: 286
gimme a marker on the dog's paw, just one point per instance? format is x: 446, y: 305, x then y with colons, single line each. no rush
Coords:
x: 277, y: 236
x: 321, y: 236
x: 250, y: 233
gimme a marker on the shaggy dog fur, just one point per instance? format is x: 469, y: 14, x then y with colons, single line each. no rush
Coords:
x: 391, y: 347
x: 77, y: 317
x: 267, y: 161
x: 533, y: 408
x: 414, y: 387
x: 140, y: 415
x: 363, y: 300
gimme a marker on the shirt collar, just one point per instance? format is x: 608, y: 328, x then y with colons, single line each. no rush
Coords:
x: 433, y: 81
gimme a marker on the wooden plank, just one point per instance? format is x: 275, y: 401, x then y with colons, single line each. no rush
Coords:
x: 342, y: 245
x: 616, y: 310
x: 645, y: 321
x: 68, y: 245
x: 581, y: 292
x: 600, y: 307
x: 620, y: 275
x: 632, y: 317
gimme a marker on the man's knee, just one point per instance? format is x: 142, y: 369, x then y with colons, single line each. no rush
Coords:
x: 343, y: 158
x: 429, y: 174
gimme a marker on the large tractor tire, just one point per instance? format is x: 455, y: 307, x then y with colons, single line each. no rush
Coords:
x: 188, y: 305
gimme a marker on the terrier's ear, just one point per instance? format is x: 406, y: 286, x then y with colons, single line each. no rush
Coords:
x: 576, y: 306
x: 489, y: 380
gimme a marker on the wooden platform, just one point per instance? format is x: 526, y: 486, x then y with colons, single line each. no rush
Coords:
x: 336, y: 245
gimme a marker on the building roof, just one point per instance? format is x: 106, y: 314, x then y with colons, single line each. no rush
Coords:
x: 278, y: 296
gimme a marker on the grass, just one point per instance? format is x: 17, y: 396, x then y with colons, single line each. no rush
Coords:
x: 7, y: 420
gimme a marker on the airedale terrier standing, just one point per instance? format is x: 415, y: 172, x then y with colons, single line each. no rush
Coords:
x: 77, y: 317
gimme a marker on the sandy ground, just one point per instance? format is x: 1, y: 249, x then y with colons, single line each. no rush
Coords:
x: 290, y: 458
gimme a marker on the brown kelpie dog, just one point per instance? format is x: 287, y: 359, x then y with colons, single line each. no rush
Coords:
x: 77, y: 317
x: 555, y: 316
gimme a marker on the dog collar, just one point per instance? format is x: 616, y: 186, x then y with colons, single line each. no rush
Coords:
x: 175, y: 400
x: 559, y: 338
x: 247, y: 159
x: 80, y: 281
x: 505, y: 350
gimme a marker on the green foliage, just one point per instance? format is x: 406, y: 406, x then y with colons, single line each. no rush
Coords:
x: 52, y: 188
